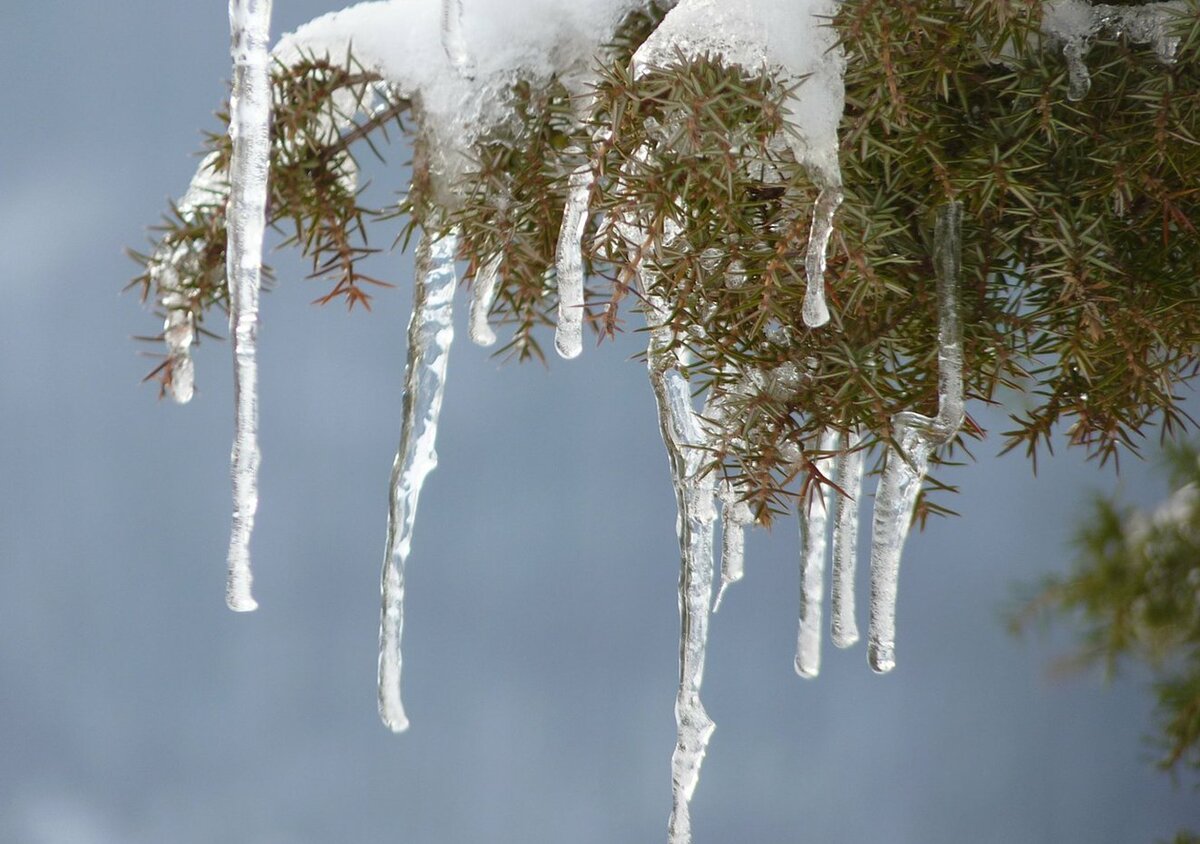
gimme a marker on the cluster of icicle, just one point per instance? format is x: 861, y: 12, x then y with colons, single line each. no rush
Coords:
x: 1075, y: 23
x: 392, y: 38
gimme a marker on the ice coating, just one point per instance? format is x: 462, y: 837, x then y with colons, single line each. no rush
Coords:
x: 249, y: 129
x: 568, y: 334
x: 916, y: 437
x: 814, y: 519
x: 735, y: 516
x: 430, y: 333
x: 848, y: 475
x: 815, y: 312
x: 1075, y: 23
x: 483, y: 295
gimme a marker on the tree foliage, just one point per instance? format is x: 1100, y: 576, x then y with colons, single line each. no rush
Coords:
x: 1081, y: 252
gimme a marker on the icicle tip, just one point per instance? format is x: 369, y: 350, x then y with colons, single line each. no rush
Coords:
x: 882, y: 657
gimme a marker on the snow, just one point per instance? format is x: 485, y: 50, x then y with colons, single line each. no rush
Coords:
x: 430, y: 333
x: 249, y: 129
x: 461, y: 68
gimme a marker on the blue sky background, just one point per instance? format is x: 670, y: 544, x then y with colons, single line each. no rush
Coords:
x: 541, y: 638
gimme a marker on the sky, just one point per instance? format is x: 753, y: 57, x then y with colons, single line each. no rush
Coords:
x: 540, y: 642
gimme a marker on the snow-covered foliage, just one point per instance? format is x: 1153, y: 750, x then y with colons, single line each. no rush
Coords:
x: 759, y: 175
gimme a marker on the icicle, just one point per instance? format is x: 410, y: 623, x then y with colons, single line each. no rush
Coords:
x: 483, y: 294
x: 249, y: 129
x: 848, y: 472
x: 568, y: 336
x: 453, y: 40
x: 815, y: 312
x: 916, y: 436
x: 684, y: 438
x: 1079, y: 79
x: 814, y: 516
x: 735, y: 515
x: 430, y: 333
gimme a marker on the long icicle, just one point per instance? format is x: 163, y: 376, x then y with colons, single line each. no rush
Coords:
x: 683, y: 437
x: 917, y: 436
x: 249, y: 130
x: 430, y: 333
x: 848, y: 472
x: 814, y: 518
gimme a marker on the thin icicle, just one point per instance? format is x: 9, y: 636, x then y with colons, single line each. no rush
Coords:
x: 917, y: 436
x: 249, y: 129
x: 568, y: 335
x: 483, y: 295
x: 814, y: 517
x: 453, y: 40
x: 430, y: 333
x: 735, y: 516
x: 848, y: 473
x: 684, y: 437
x: 1079, y: 78
x: 815, y: 311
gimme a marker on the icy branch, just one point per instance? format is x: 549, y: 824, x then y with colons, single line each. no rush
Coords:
x: 916, y: 437
x: 430, y: 333
x: 1075, y: 23
x: 249, y: 129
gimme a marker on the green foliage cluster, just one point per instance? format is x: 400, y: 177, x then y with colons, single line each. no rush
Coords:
x: 1134, y: 596
x: 1081, y: 256
x: 1135, y: 593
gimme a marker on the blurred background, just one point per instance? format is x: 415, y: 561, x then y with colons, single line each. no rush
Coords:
x: 541, y: 640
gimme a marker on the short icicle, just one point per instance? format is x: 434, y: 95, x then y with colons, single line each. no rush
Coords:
x: 815, y: 312
x: 916, y: 437
x: 684, y: 437
x: 735, y: 515
x: 430, y: 333
x: 568, y: 335
x: 483, y: 296
x: 814, y: 518
x: 249, y: 130
x: 848, y: 474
